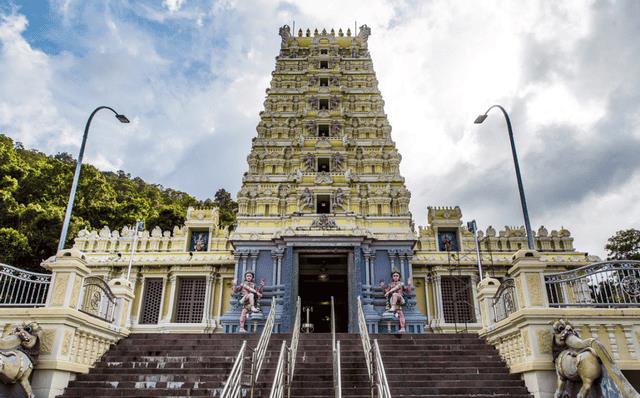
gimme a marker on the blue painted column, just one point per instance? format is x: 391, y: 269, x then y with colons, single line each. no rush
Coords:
x: 356, y: 288
x: 289, y: 277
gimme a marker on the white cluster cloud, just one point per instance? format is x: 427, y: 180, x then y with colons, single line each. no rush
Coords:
x: 191, y: 76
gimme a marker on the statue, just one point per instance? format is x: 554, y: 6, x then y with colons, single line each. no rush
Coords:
x: 307, y: 198
x: 586, y: 361
x: 338, y: 160
x: 339, y: 199
x: 250, y: 296
x: 309, y: 161
x: 18, y: 355
x: 396, y: 295
x: 285, y: 34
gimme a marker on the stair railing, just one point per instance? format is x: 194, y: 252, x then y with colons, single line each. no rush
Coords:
x: 283, y: 378
x: 233, y: 386
x: 375, y: 367
x: 279, y: 379
x: 293, y: 348
x: 261, y: 349
x: 335, y: 347
x: 381, y: 375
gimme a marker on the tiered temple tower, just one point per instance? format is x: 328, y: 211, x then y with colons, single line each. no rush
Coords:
x: 323, y: 209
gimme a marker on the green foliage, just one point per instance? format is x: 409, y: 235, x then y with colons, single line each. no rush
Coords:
x: 624, y: 245
x: 34, y: 190
x: 14, y: 246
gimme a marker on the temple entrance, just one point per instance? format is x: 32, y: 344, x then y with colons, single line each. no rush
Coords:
x: 321, y: 276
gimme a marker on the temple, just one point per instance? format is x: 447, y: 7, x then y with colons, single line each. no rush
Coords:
x: 323, y: 211
x: 324, y: 242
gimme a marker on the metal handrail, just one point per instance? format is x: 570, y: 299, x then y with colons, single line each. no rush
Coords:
x: 366, y: 342
x: 293, y: 348
x: 375, y: 366
x: 278, y: 386
x: 381, y: 376
x: 504, y: 301
x: 603, y: 284
x: 335, y: 347
x: 98, y: 300
x: 283, y: 378
x: 233, y: 385
x: 21, y: 288
x: 261, y: 348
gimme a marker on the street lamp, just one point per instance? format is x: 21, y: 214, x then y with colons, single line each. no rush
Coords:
x: 76, y: 176
x: 527, y: 224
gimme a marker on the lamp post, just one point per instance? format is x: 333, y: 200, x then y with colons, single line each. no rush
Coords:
x: 473, y: 227
x: 76, y: 176
x: 525, y: 212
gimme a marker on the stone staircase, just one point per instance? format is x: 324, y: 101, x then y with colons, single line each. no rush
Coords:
x: 191, y: 365
x: 446, y: 365
x: 172, y: 365
x: 314, y: 367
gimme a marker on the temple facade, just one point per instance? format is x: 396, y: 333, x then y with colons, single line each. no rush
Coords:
x: 323, y: 212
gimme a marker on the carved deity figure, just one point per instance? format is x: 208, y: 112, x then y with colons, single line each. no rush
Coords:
x: 583, y: 360
x: 309, y: 161
x: 285, y: 34
x: 307, y: 198
x: 200, y: 244
x: 19, y: 353
x: 250, y: 295
x: 339, y: 198
x: 337, y: 160
x: 396, y: 294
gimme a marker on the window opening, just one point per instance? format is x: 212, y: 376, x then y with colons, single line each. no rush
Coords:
x: 151, y: 301
x: 323, y: 130
x: 190, y: 303
x: 323, y: 164
x: 324, y: 82
x: 323, y: 104
x: 323, y: 204
x: 266, y: 210
x: 324, y: 51
x: 379, y: 210
x: 324, y: 64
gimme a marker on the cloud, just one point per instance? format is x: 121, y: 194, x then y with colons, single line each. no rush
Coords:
x: 191, y: 76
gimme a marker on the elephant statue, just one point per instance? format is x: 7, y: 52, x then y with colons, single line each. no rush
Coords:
x: 588, y: 362
x: 19, y: 353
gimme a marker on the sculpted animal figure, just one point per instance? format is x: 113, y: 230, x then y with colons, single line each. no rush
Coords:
x: 18, y: 354
x: 576, y: 359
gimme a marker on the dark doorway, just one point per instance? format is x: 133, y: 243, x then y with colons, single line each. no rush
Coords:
x: 320, y: 277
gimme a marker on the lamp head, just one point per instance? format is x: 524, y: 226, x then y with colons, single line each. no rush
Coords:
x: 122, y: 118
x: 480, y: 119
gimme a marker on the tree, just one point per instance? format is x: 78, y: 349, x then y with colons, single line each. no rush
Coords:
x: 14, y: 246
x: 227, y: 208
x: 624, y: 245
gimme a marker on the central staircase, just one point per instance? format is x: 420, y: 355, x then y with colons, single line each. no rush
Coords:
x: 192, y: 365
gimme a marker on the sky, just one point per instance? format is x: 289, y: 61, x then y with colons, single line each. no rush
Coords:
x: 191, y: 76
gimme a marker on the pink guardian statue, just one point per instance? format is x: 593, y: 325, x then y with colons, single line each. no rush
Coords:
x: 250, y: 296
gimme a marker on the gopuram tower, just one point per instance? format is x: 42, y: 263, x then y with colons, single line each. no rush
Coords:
x: 323, y: 209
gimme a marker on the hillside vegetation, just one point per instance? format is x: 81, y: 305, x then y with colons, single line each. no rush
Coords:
x: 34, y: 190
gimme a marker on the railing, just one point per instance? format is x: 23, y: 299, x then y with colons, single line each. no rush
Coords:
x: 20, y: 288
x: 261, y: 349
x: 504, y: 301
x: 98, y: 300
x: 279, y: 379
x: 377, y: 375
x: 335, y: 347
x: 233, y: 386
x: 283, y: 378
x: 381, y: 375
x: 293, y: 349
x: 605, y: 284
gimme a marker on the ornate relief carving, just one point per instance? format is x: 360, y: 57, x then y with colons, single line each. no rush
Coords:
x: 59, y: 289
x: 544, y: 341
x: 535, y: 289
x: 66, y: 342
